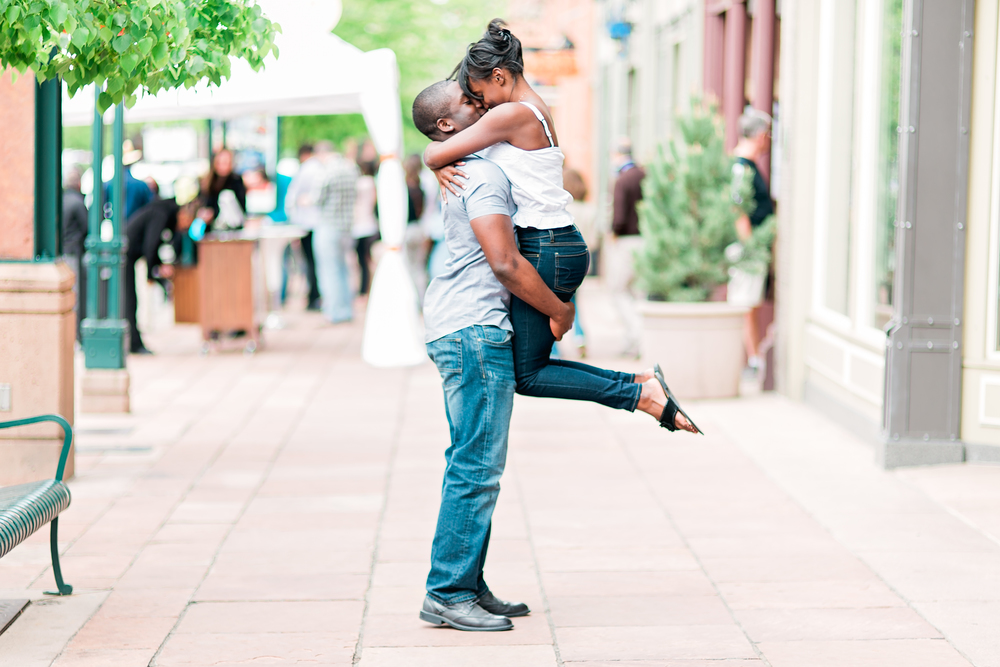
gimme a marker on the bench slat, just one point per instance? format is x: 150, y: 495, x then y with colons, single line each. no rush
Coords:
x: 25, y: 508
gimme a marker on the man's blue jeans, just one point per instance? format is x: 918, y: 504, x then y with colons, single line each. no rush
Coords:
x: 330, y: 247
x: 477, y: 373
x: 561, y: 258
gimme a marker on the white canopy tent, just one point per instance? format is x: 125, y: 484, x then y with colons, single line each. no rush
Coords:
x: 317, y: 73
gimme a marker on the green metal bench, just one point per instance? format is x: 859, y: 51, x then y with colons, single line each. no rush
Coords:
x: 24, y: 508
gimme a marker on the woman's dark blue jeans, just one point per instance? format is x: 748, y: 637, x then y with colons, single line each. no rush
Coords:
x: 561, y: 258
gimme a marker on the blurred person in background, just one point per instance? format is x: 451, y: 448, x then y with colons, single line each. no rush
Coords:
x: 624, y: 242
x: 433, y: 224
x: 154, y: 187
x: 74, y: 231
x: 332, y: 238
x: 754, y: 143
x: 221, y: 178
x: 365, y: 226
x: 416, y: 235
x: 152, y: 226
x: 302, y: 206
x: 137, y: 193
x: 583, y: 218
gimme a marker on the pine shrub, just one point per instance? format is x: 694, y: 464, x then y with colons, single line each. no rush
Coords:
x: 688, y: 216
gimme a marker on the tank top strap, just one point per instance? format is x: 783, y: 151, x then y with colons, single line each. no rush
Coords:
x: 541, y: 117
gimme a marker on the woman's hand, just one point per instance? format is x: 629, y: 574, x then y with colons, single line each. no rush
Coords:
x: 448, y: 177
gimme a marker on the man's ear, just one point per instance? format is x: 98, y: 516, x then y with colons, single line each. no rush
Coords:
x: 445, y: 125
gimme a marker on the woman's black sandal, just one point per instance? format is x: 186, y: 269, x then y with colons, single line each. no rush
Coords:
x: 672, y: 407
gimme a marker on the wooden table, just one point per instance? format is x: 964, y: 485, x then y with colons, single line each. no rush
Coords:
x: 231, y: 292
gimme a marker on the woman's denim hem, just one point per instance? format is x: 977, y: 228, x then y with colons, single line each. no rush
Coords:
x: 638, y: 395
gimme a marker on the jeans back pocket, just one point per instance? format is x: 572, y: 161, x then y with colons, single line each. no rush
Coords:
x: 572, y: 262
x: 446, y: 353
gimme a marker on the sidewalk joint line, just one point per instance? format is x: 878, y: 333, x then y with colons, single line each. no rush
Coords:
x: 390, y: 466
x: 752, y: 458
x: 251, y: 497
x: 687, y: 545
x: 538, y: 571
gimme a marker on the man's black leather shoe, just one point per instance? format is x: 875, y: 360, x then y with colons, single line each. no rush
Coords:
x: 494, y: 605
x: 463, y: 616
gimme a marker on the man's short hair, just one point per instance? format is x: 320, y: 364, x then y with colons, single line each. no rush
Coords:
x: 305, y: 149
x: 432, y: 104
x: 754, y: 123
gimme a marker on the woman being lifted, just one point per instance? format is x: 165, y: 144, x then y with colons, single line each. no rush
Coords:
x: 517, y: 134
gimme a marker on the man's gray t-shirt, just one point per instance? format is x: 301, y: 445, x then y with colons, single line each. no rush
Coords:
x: 467, y: 292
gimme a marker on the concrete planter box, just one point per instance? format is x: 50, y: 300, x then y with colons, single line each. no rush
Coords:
x: 698, y: 345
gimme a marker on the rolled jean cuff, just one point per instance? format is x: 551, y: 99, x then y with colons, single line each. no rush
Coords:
x: 638, y: 395
x: 458, y: 599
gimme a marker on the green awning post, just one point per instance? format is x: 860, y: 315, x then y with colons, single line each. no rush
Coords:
x: 211, y: 152
x: 96, y: 213
x: 117, y: 216
x: 48, y: 170
x: 104, y: 337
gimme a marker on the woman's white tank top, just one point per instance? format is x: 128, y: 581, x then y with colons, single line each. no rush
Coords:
x: 536, y: 179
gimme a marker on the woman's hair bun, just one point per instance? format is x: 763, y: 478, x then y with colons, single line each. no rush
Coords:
x: 498, y: 48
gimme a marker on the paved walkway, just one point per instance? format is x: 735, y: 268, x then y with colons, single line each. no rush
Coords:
x: 278, y: 510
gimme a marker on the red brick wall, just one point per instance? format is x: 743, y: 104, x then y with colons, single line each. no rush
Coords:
x: 17, y: 166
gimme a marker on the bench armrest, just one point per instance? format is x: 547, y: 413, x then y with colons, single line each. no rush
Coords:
x: 67, y: 436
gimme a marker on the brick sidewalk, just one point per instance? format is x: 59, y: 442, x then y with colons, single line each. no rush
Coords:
x: 278, y: 509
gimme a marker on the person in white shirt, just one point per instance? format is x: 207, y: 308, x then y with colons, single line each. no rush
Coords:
x: 302, y: 207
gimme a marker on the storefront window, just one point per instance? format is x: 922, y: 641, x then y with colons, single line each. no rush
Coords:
x: 888, y: 161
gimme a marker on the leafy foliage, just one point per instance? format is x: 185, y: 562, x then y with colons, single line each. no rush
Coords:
x: 128, y: 45
x: 428, y: 36
x: 687, y: 216
x: 298, y: 130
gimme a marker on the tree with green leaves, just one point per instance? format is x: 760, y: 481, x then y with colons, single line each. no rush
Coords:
x: 429, y: 38
x: 132, y: 45
x: 688, y: 214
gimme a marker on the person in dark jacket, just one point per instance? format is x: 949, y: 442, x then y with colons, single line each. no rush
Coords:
x: 625, y: 241
x: 137, y: 193
x: 74, y: 231
x: 156, y: 224
x: 222, y: 177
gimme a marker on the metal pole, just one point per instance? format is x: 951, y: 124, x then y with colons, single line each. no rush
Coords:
x: 48, y: 170
x: 117, y: 215
x: 104, y: 337
x: 96, y: 213
x: 210, y: 147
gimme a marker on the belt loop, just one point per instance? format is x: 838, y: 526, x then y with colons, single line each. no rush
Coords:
x: 552, y: 236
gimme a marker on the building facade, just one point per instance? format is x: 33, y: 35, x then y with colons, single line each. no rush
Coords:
x: 885, y: 166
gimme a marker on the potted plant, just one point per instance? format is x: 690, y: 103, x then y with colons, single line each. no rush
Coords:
x: 691, y: 199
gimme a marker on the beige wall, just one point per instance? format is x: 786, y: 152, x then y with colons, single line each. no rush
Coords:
x: 542, y: 24
x: 17, y: 154
x: 37, y: 331
x: 827, y: 342
x: 981, y: 362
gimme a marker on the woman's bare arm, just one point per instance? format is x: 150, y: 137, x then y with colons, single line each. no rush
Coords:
x: 502, y: 123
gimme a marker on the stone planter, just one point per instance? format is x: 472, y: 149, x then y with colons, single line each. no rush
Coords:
x: 698, y: 345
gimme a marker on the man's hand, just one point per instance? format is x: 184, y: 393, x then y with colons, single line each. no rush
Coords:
x: 495, y: 234
x: 564, y: 322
